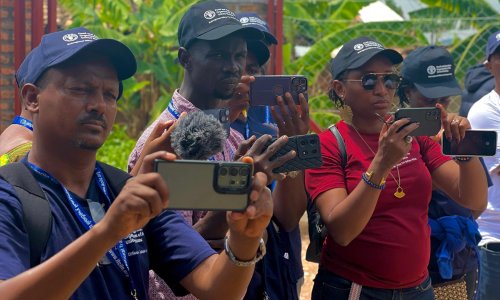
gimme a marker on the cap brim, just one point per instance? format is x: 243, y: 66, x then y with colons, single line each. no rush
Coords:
x: 271, y: 39
x: 260, y: 50
x: 392, y: 55
x: 119, y: 55
x: 438, y: 90
x: 217, y: 33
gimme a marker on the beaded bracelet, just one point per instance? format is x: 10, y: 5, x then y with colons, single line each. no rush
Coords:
x: 372, y: 184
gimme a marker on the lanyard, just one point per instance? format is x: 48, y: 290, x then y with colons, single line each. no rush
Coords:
x: 267, y: 120
x: 23, y: 122
x: 118, y: 253
x: 173, y: 110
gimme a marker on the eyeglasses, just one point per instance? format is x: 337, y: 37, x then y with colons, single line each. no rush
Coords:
x: 369, y: 81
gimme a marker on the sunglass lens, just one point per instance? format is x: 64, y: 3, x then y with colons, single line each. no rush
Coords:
x: 391, y: 81
x: 369, y: 81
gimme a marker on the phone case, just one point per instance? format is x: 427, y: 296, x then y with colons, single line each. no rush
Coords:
x: 308, y: 153
x: 475, y: 143
x: 222, y: 115
x: 206, y: 185
x: 265, y: 88
x: 428, y: 117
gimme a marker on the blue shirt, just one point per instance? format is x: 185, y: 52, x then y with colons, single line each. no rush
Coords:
x: 166, y: 244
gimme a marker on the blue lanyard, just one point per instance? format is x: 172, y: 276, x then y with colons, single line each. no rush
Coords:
x: 267, y: 120
x: 171, y: 109
x: 118, y: 253
x: 23, y: 122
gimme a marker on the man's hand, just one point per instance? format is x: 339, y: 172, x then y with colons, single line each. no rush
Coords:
x: 241, y: 98
x: 254, y: 148
x: 158, y: 140
x: 253, y: 222
x: 291, y: 119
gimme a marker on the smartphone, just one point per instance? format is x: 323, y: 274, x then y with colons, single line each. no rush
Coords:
x: 222, y: 115
x: 265, y: 88
x: 206, y: 185
x: 475, y: 143
x: 428, y: 117
x: 308, y: 152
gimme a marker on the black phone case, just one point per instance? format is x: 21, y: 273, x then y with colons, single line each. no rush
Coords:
x: 308, y: 153
x: 265, y: 88
x: 428, y: 117
x: 475, y: 143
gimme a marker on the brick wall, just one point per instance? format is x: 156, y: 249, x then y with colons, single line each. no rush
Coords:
x: 7, y: 67
x: 6, y: 62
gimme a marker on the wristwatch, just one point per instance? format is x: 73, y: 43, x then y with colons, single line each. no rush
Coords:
x: 462, y: 158
x: 242, y: 263
x: 292, y: 174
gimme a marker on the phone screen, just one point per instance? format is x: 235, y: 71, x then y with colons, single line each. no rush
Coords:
x: 475, y: 143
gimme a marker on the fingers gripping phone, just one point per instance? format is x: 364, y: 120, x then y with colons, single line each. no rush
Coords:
x: 308, y: 151
x: 475, y: 143
x: 265, y: 88
x: 428, y: 117
x: 206, y: 185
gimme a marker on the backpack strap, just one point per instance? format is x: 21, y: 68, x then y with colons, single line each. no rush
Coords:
x: 37, y: 215
x: 340, y: 142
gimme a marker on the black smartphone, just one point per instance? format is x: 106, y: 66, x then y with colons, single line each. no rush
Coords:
x: 308, y: 151
x: 206, y: 185
x: 475, y: 143
x: 265, y: 88
x: 428, y: 117
x: 222, y: 115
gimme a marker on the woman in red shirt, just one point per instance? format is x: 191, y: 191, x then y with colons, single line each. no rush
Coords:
x: 375, y: 208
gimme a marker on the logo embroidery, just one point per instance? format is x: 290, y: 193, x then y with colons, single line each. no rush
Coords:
x: 431, y: 70
x: 244, y: 20
x: 358, y: 47
x: 70, y: 37
x: 209, y: 14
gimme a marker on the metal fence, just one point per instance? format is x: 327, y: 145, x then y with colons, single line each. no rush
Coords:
x: 315, y: 29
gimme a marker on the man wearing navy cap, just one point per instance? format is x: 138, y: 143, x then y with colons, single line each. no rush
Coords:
x: 104, y: 233
x: 485, y: 114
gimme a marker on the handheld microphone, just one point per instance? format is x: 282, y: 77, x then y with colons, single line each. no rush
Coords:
x: 198, y: 136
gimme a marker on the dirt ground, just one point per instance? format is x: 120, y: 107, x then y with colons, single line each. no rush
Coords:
x: 310, y: 269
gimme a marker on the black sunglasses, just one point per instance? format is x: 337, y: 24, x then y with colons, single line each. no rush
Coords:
x: 369, y: 81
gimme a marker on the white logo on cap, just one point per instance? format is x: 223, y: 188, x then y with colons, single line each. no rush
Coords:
x: 70, y: 37
x: 209, y: 14
x: 431, y: 70
x: 498, y: 37
x: 244, y: 20
x: 358, y: 47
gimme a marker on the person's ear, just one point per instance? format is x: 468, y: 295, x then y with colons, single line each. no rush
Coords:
x: 339, y: 88
x: 29, y: 95
x: 487, y: 64
x: 184, y: 58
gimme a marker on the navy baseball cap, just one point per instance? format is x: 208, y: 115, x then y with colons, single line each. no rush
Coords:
x: 357, y: 52
x: 493, y: 43
x: 260, y: 50
x: 59, y: 47
x: 211, y: 20
x: 431, y: 70
x: 251, y: 19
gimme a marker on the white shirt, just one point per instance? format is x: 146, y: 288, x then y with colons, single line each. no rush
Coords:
x: 485, y: 114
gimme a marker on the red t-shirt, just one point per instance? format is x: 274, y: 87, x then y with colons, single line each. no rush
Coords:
x: 393, y: 249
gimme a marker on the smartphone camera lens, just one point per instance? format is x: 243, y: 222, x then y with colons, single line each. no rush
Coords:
x: 223, y: 172
x: 303, y: 81
x: 233, y: 171
x: 243, y: 171
x: 302, y: 143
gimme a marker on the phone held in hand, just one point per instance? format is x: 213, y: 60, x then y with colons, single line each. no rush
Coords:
x: 206, y: 185
x: 265, y: 88
x: 222, y: 115
x: 308, y: 151
x: 428, y: 117
x: 475, y: 143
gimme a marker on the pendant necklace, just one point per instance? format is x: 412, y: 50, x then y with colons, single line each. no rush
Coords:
x: 399, y: 193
